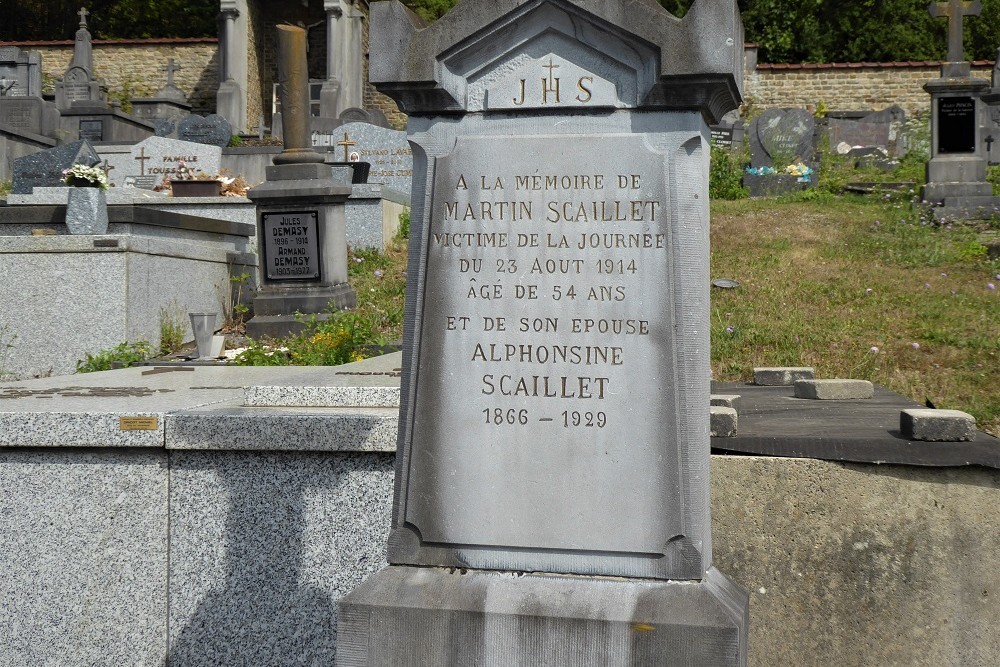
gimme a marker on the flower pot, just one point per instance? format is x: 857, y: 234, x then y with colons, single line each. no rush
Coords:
x: 196, y: 188
x: 87, y: 211
x: 360, y: 170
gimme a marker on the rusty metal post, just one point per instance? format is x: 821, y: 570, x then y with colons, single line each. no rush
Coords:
x: 293, y: 89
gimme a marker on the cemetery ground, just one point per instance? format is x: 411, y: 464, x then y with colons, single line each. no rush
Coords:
x: 854, y: 286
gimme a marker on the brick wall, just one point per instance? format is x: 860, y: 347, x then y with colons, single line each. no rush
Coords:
x: 848, y: 86
x: 132, y: 67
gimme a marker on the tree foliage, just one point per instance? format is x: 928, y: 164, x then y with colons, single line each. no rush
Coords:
x: 786, y: 31
x: 821, y: 31
x: 109, y: 19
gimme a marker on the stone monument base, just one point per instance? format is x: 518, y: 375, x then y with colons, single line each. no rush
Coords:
x: 276, y: 308
x: 444, y: 617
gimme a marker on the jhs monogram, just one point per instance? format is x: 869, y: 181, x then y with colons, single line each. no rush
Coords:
x: 550, y: 88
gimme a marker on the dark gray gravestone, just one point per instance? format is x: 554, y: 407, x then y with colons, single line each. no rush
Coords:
x: 858, y: 133
x: 213, y: 130
x: 45, y: 169
x: 21, y: 72
x: 560, y: 153
x: 24, y: 114
x: 780, y: 137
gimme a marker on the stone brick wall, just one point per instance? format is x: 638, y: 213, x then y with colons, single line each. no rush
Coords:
x: 847, y: 86
x: 261, y: 65
x: 131, y: 67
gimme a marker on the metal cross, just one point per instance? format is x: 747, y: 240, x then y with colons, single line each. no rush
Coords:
x: 83, y: 17
x: 170, y: 69
x: 107, y: 167
x: 142, y: 160
x: 346, y: 143
x: 955, y: 10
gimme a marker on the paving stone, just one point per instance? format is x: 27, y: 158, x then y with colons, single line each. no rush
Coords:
x: 834, y: 390
x: 781, y: 376
x: 937, y: 425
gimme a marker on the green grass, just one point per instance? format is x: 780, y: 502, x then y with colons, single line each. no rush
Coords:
x: 825, y: 279
x: 825, y: 283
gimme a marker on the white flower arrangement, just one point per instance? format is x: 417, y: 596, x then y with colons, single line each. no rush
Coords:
x: 82, y: 176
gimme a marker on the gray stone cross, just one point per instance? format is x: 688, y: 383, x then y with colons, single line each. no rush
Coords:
x: 170, y: 68
x: 83, y: 17
x: 955, y: 10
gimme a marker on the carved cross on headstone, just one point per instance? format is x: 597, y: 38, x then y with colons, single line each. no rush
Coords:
x: 170, y: 69
x: 142, y: 157
x: 83, y: 17
x: 955, y: 10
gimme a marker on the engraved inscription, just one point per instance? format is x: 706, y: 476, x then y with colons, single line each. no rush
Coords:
x: 552, y: 82
x: 291, y: 245
x: 543, y: 311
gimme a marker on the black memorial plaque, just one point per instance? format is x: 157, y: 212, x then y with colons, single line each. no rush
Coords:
x: 722, y: 137
x: 956, y: 125
x: 291, y: 245
x: 92, y: 129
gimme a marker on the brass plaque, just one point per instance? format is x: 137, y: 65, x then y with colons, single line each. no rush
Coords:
x: 138, y: 423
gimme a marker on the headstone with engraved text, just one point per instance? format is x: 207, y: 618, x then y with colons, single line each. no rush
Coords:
x: 388, y: 151
x: 20, y: 72
x: 559, y: 269
x: 156, y: 159
x: 780, y: 137
x: 212, y: 130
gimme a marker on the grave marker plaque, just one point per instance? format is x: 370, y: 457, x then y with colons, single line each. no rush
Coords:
x: 291, y: 245
x: 92, y: 129
x: 554, y: 407
x: 956, y: 125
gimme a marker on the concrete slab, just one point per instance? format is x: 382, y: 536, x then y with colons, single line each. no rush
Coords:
x: 86, y: 410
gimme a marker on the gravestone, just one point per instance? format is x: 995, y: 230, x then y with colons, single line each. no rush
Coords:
x: 166, y: 107
x: 554, y: 412
x: 28, y: 114
x: 780, y: 137
x: 387, y: 150
x: 45, y: 169
x: 858, y: 133
x: 156, y: 159
x: 20, y: 72
x: 212, y: 130
x: 956, y: 173
x: 78, y: 86
x: 300, y: 212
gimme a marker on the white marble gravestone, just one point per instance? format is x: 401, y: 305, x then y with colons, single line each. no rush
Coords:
x: 554, y: 417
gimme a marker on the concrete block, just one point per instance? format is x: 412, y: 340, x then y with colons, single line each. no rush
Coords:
x: 263, y: 545
x: 83, y: 552
x: 780, y: 376
x: 724, y: 422
x: 928, y: 425
x: 834, y: 390
x: 726, y: 401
